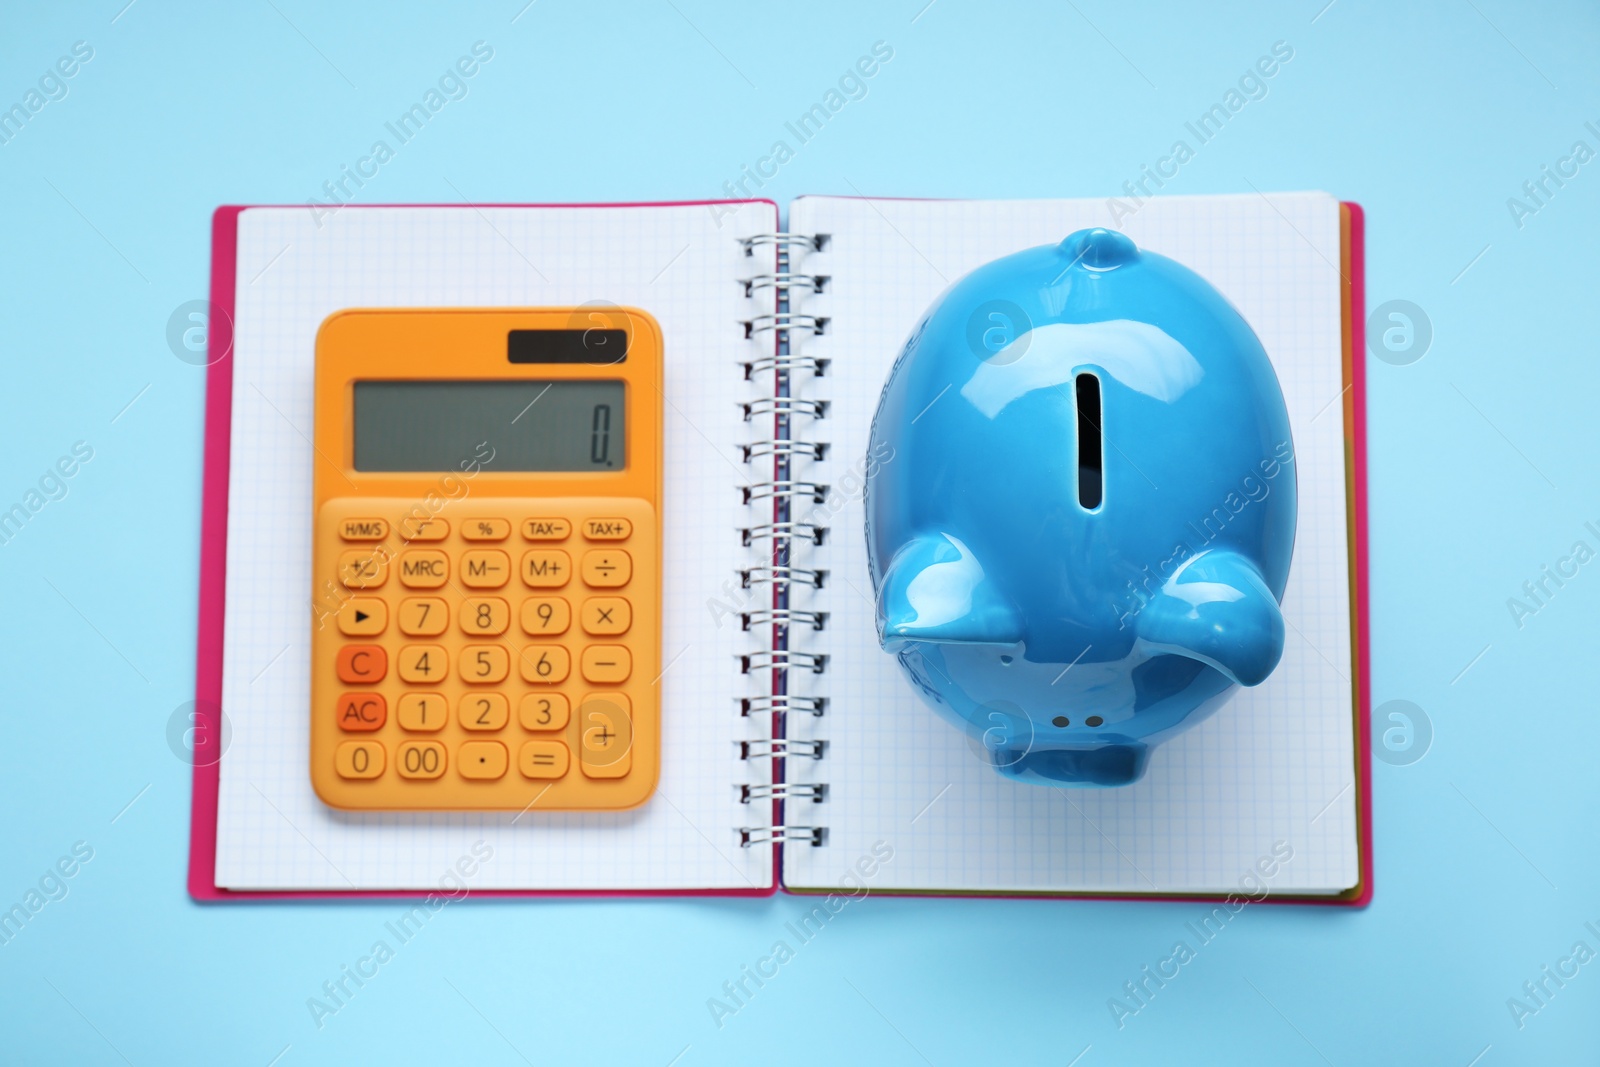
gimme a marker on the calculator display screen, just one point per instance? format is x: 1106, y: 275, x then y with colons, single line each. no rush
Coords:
x: 531, y: 425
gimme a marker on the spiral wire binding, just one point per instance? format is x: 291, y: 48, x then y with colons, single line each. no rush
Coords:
x: 783, y: 532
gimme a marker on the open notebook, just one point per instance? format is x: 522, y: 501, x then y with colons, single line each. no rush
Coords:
x: 791, y: 755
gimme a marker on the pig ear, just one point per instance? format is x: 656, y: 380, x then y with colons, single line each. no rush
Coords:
x: 936, y: 590
x: 1217, y: 609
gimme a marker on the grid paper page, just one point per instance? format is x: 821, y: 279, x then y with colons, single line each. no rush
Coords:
x: 675, y: 262
x: 1275, y: 764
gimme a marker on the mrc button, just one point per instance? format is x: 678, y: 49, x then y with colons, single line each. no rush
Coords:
x: 424, y: 569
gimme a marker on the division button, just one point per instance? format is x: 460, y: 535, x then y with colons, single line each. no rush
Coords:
x: 607, y: 568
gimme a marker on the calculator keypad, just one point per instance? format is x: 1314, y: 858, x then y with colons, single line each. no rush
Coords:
x: 489, y: 656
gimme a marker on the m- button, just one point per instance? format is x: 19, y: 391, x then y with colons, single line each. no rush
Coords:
x: 485, y: 568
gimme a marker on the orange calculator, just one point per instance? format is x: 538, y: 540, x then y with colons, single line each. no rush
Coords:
x: 486, y: 559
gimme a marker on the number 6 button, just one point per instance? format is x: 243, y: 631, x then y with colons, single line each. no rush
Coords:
x: 544, y: 663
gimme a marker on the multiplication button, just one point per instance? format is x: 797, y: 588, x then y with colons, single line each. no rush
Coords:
x: 607, y: 615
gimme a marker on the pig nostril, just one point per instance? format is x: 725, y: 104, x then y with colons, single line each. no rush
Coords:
x: 1061, y: 720
x: 1094, y: 720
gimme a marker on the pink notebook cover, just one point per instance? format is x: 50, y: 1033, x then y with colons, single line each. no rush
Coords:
x: 213, y: 587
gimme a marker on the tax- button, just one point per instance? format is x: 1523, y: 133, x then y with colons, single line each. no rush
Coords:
x: 363, y: 616
x: 363, y: 529
x: 607, y: 529
x: 546, y: 568
x: 362, y: 712
x: 424, y: 569
x: 486, y: 568
x: 607, y: 568
x: 546, y: 529
x: 606, y: 741
x: 363, y: 568
x: 362, y: 664
x: 606, y: 664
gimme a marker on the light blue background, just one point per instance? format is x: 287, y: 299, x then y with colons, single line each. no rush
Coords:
x: 1483, y: 470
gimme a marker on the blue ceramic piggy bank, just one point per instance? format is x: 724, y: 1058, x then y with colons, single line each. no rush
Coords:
x: 1080, y: 543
